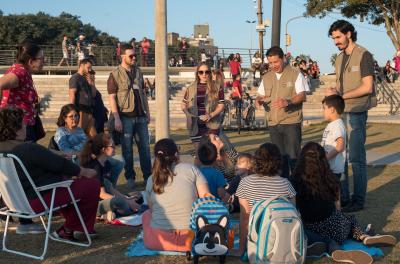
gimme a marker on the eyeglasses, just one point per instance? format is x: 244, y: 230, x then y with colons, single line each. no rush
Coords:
x: 76, y: 116
x: 204, y: 72
x: 132, y: 56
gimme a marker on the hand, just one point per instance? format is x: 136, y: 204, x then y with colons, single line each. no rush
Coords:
x: 330, y: 91
x: 118, y: 125
x: 205, y: 118
x: 148, y: 117
x: 279, y: 103
x: 189, y: 121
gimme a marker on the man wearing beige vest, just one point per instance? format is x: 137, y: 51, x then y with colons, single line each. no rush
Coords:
x: 128, y: 103
x: 355, y: 83
x: 282, y: 92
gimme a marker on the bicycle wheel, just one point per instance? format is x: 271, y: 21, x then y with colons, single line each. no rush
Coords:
x: 250, y: 117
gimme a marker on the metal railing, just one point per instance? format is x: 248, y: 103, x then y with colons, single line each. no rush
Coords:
x: 387, y: 94
x: 107, y: 55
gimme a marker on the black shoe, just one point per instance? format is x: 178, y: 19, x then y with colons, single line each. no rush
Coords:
x: 353, y: 207
x: 344, y: 203
x: 316, y: 249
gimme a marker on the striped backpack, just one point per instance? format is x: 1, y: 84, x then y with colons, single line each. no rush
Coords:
x: 209, y: 221
x: 276, y: 233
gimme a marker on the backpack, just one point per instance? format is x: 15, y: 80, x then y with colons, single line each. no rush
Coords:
x: 276, y: 233
x: 210, y: 222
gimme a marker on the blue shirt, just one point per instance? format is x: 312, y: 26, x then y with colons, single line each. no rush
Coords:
x: 214, y: 178
x: 68, y: 141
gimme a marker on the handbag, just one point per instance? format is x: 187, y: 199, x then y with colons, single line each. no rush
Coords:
x: 38, y: 128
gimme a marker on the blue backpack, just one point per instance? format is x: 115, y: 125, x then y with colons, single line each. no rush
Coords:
x: 209, y: 221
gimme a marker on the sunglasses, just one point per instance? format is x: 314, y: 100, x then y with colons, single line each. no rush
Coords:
x: 204, y: 72
x: 132, y: 56
x: 73, y: 116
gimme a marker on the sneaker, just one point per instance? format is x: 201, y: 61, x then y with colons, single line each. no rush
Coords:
x: 369, y: 230
x: 131, y: 183
x: 11, y: 225
x: 316, y: 249
x: 353, y: 207
x: 30, y: 229
x: 78, y: 235
x: 63, y: 234
x: 352, y: 256
x: 380, y: 240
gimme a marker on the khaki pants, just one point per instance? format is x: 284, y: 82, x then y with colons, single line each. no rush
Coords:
x: 86, y: 122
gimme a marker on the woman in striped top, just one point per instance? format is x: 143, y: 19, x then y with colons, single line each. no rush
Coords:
x: 203, y: 103
x: 264, y: 184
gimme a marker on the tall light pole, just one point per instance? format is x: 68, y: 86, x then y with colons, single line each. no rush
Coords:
x: 161, y: 70
x: 276, y: 23
x: 251, y: 32
x: 260, y: 32
x: 286, y: 30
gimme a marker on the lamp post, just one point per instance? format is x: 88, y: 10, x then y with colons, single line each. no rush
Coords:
x: 250, y: 22
x: 286, y: 31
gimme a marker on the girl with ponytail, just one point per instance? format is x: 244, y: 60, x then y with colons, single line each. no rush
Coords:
x: 170, y: 192
x: 317, y: 200
x: 95, y: 155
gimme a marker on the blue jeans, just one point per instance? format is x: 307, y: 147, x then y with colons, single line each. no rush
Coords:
x: 356, y: 135
x: 135, y: 128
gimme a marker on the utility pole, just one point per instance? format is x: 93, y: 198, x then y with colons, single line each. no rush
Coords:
x: 161, y: 70
x: 276, y: 23
x: 260, y: 33
x: 287, y: 35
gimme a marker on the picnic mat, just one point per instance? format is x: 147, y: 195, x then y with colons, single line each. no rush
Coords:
x: 137, y: 248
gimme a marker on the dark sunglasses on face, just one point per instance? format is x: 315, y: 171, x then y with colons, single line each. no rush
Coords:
x: 132, y: 56
x: 204, y: 72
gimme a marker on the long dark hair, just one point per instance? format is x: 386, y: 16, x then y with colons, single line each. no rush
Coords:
x: 64, y: 112
x: 313, y: 176
x: 10, y: 122
x: 93, y: 147
x: 165, y: 151
x: 267, y: 160
x: 26, y: 51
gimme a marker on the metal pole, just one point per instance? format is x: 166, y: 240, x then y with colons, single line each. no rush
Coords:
x: 276, y: 23
x: 286, y: 29
x: 260, y: 34
x: 161, y: 70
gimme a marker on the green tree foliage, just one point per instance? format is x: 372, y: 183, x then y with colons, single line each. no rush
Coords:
x: 376, y: 12
x: 333, y: 59
x: 48, y: 30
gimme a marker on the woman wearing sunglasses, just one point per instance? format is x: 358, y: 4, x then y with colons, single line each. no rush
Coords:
x: 203, y: 103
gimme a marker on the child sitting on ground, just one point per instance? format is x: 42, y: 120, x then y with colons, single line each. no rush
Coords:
x: 94, y: 155
x: 334, y: 136
x: 264, y: 184
x: 243, y: 168
x: 207, y: 154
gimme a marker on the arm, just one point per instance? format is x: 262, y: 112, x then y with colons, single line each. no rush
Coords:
x: 244, y: 224
x: 222, y: 193
x: 114, y: 111
x: 338, y: 149
x: 9, y: 81
x: 104, y: 195
x: 72, y: 95
x: 282, y: 103
x: 202, y: 190
x: 365, y: 88
x: 217, y: 111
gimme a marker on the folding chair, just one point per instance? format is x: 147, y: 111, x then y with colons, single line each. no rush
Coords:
x: 18, y: 206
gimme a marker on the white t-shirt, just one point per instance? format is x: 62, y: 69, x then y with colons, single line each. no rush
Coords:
x: 332, y: 132
x: 256, y: 60
x: 301, y: 84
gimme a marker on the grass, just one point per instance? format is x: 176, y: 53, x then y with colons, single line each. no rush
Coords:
x: 382, y: 207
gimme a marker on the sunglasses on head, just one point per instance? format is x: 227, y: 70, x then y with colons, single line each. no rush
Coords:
x: 204, y: 72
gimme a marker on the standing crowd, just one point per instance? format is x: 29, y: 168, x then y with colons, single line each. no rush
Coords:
x: 314, y: 177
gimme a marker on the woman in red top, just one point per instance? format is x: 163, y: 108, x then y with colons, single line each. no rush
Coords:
x: 17, y: 88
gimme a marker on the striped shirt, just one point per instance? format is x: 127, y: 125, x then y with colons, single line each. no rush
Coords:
x: 255, y: 188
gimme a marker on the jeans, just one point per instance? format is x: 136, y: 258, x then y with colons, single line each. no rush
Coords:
x: 116, y: 167
x: 288, y: 140
x: 356, y: 135
x: 135, y: 128
x: 117, y: 204
x: 312, y: 238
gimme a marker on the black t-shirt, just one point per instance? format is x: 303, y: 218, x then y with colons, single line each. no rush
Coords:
x: 313, y: 209
x: 366, y: 66
x: 84, y: 99
x: 103, y: 172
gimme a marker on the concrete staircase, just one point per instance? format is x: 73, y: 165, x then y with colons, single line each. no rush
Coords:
x: 53, y: 90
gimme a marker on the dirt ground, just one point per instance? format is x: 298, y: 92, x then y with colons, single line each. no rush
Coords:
x: 382, y: 207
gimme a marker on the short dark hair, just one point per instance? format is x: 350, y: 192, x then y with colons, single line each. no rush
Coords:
x: 267, y: 160
x: 275, y: 51
x: 335, y: 101
x: 85, y: 61
x: 26, y: 51
x: 207, y: 153
x: 125, y: 47
x: 64, y: 112
x: 344, y: 27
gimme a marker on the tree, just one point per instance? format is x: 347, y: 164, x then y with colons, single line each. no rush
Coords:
x: 333, y: 59
x: 376, y: 12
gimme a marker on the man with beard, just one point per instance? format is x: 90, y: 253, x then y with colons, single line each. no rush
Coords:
x: 355, y: 83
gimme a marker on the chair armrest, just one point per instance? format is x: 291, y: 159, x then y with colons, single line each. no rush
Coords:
x: 54, y: 185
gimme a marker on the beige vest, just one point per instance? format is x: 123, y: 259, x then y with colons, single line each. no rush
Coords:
x: 282, y: 88
x: 214, y: 123
x: 123, y: 81
x: 352, y: 80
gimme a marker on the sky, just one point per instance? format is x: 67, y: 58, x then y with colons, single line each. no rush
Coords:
x: 227, y: 20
